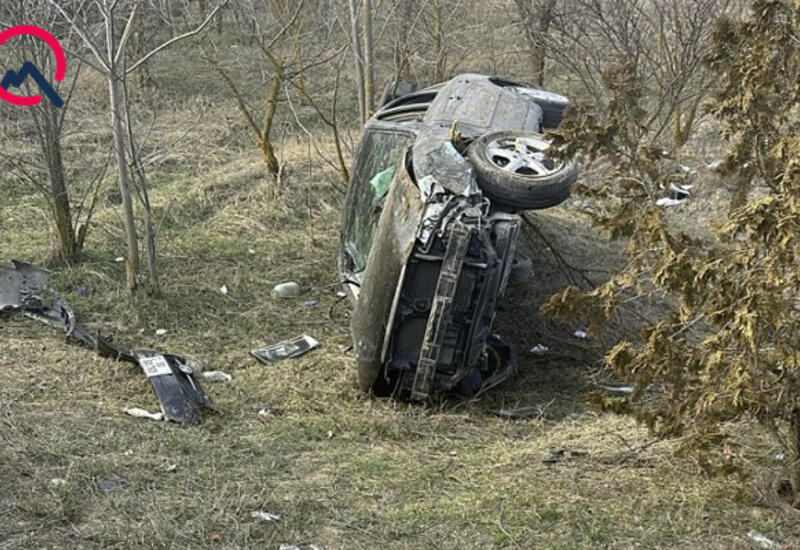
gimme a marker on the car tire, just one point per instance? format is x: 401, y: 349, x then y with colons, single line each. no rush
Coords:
x: 514, y: 172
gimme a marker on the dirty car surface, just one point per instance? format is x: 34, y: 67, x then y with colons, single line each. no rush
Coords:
x: 430, y: 228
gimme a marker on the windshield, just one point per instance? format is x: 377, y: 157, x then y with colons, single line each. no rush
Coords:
x: 372, y: 179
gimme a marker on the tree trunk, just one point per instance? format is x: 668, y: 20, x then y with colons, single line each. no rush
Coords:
x: 369, y: 61
x: 132, y: 263
x: 439, y: 46
x: 67, y: 245
x: 358, y: 57
x: 265, y: 143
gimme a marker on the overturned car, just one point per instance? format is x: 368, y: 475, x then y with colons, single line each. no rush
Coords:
x: 430, y: 228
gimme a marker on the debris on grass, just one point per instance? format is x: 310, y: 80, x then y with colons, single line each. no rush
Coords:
x: 58, y: 482
x: 294, y: 347
x: 760, y: 541
x: 216, y: 376
x: 223, y: 290
x: 539, y: 349
x: 523, y: 412
x: 555, y: 455
x: 614, y: 388
x: 581, y: 334
x: 264, y: 516
x: 295, y: 547
x: 161, y: 332
x: 107, y: 485
x: 312, y: 302
x: 24, y: 290
x: 286, y: 290
x: 136, y: 412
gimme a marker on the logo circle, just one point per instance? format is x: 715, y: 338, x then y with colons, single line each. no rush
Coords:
x: 58, y: 51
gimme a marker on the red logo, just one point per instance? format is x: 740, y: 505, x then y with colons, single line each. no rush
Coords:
x: 16, y: 79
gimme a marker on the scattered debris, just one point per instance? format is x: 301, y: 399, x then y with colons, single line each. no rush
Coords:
x: 107, y: 485
x: 266, y: 411
x: 539, y: 349
x: 760, y: 541
x: 312, y: 302
x: 215, y: 536
x: 161, y: 332
x: 523, y: 412
x: 295, y: 547
x: 286, y: 290
x: 341, y: 294
x: 141, y: 413
x: 264, y: 516
x: 216, y: 376
x: 24, y: 290
x: 581, y: 334
x: 555, y: 455
x: 716, y: 165
x: 119, y: 259
x: 780, y: 457
x: 223, y: 290
x: 294, y: 347
x: 57, y: 482
x: 251, y: 251
x: 559, y: 454
x: 616, y: 388
x: 678, y: 194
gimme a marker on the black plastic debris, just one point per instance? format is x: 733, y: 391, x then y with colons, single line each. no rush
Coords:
x: 287, y: 349
x: 24, y: 290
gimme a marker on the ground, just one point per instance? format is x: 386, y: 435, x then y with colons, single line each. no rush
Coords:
x: 340, y: 469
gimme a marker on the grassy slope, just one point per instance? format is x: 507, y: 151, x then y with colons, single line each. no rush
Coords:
x: 340, y: 469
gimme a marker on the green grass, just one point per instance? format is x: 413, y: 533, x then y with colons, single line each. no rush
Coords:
x: 341, y: 470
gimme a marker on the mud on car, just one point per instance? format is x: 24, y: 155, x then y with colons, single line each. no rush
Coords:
x: 430, y: 229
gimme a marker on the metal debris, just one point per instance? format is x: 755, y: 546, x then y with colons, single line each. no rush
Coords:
x: 616, y: 388
x: 581, y: 334
x: 294, y: 347
x: 522, y: 412
x: 24, y: 290
x: 264, y: 516
x: 539, y: 349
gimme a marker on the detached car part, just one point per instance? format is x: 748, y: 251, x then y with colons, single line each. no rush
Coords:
x: 181, y: 397
x: 430, y: 229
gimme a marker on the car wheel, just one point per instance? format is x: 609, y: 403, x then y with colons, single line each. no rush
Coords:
x: 513, y: 170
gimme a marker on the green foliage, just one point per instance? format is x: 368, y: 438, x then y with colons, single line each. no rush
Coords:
x: 729, y: 347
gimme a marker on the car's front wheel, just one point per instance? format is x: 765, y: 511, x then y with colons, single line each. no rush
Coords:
x: 514, y: 170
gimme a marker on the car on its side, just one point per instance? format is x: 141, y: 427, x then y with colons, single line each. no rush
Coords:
x: 430, y: 228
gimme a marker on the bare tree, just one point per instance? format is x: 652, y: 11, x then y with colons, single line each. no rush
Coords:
x: 537, y: 16
x: 99, y: 31
x: 48, y: 122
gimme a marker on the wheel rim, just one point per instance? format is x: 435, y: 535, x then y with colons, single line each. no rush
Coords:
x: 524, y: 155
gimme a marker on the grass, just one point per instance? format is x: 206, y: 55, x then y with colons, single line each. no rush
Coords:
x: 341, y: 470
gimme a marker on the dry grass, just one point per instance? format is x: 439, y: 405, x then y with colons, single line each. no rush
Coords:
x: 341, y: 470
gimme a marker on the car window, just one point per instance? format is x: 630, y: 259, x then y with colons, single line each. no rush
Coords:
x: 377, y: 162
